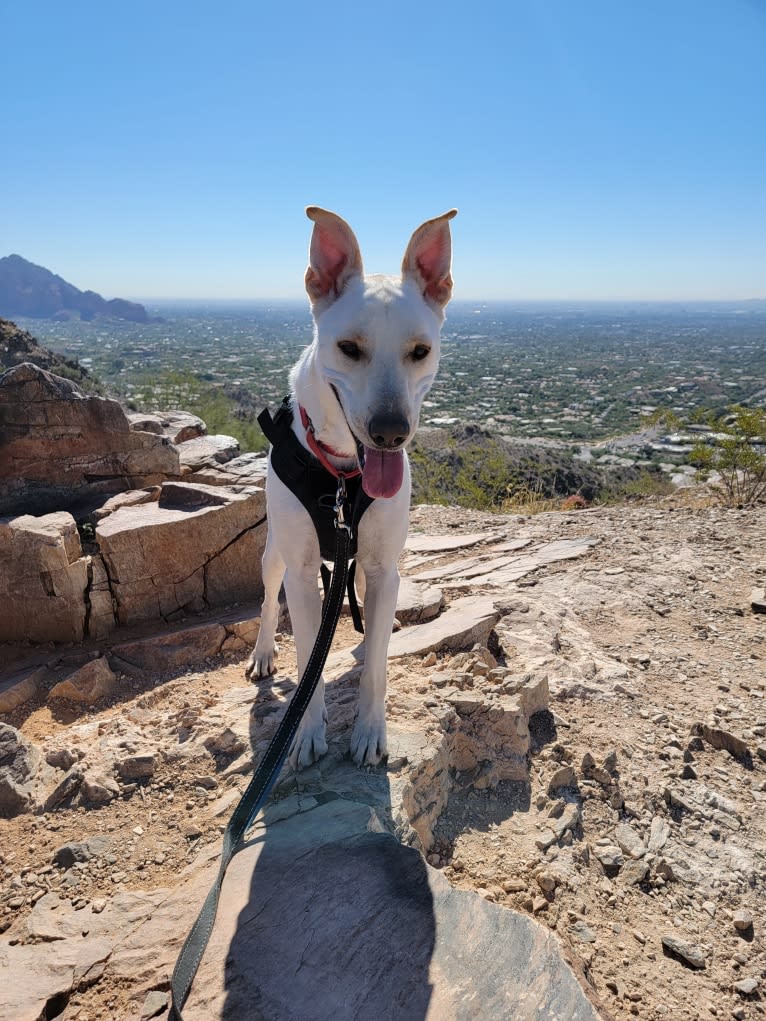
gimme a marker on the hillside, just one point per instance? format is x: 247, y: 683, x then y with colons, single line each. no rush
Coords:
x: 17, y: 346
x: 471, y: 466
x: 30, y: 290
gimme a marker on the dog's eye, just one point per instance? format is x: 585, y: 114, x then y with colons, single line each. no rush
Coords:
x: 350, y: 349
x: 419, y: 352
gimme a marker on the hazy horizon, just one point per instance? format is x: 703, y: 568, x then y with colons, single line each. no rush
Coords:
x: 469, y: 300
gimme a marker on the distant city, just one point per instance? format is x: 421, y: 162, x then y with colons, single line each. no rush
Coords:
x: 564, y: 371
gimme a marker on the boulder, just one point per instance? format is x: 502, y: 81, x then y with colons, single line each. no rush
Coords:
x: 67, y: 855
x: 417, y: 603
x: 61, y: 447
x: 421, y: 949
x: 207, y: 451
x: 19, y: 761
x: 130, y: 499
x: 245, y: 470
x: 197, y: 547
x: 174, y: 650
x: 178, y: 426
x: 87, y: 685
x: 43, y: 578
x: 491, y: 736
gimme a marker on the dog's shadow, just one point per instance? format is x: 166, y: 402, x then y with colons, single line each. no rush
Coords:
x: 339, y: 922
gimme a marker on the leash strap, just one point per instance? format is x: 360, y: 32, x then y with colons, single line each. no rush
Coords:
x: 269, y: 767
x: 353, y: 603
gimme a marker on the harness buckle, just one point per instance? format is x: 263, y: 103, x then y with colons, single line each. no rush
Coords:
x: 341, y: 500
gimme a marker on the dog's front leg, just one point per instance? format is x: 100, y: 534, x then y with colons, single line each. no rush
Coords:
x: 263, y: 657
x: 368, y: 739
x: 305, y: 605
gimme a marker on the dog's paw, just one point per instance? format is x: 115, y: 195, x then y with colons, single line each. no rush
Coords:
x: 309, y: 744
x: 368, y: 741
x: 262, y: 662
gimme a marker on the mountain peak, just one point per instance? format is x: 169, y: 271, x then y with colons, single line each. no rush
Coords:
x: 27, y: 289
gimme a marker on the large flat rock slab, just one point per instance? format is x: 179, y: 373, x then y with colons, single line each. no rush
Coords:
x: 323, y: 917
x: 33, y: 976
x: 467, y: 620
x: 417, y: 543
x: 196, y: 547
x: 549, y: 553
x: 497, y: 571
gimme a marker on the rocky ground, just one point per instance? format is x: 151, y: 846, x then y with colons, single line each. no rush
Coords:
x: 591, y: 702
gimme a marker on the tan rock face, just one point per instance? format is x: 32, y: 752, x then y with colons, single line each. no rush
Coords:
x: 178, y: 426
x: 87, y: 685
x: 43, y: 579
x: 199, y: 546
x: 58, y: 446
x: 175, y: 650
x: 202, y: 451
x: 15, y: 691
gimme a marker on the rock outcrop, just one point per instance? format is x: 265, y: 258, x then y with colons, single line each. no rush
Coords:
x: 156, y: 550
x: 196, y: 547
x: 17, y: 346
x: 159, y: 555
x: 429, y: 949
x: 19, y: 762
x: 60, y: 448
x: 44, y: 579
x: 178, y: 426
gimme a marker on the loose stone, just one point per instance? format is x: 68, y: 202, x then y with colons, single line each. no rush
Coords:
x: 687, y: 952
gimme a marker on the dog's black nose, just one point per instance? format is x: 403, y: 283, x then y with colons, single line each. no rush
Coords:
x: 388, y: 430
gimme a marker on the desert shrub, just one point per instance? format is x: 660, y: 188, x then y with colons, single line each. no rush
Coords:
x: 736, y: 451
x: 530, y: 499
x: 574, y: 502
x: 483, y: 476
x: 649, y: 483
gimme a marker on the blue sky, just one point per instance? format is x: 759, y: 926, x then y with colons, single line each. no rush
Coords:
x: 596, y: 149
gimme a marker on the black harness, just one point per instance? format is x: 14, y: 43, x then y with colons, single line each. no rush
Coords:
x: 316, y: 488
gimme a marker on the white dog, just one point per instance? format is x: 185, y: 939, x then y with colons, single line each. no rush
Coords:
x: 360, y: 384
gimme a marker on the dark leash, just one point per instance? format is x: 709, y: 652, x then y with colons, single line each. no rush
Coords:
x: 270, y: 765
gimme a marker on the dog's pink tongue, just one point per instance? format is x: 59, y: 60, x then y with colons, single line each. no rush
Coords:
x: 383, y: 472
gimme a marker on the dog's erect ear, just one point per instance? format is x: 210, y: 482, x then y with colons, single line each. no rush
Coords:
x: 428, y: 258
x: 334, y: 256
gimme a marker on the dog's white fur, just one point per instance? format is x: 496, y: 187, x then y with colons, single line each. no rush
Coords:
x: 390, y: 322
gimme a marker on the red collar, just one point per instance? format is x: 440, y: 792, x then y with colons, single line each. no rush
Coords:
x: 322, y: 450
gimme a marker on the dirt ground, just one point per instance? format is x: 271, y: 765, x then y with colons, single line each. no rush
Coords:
x: 663, y: 755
